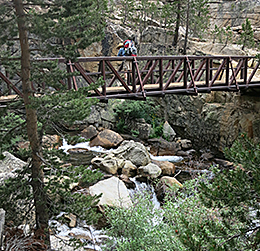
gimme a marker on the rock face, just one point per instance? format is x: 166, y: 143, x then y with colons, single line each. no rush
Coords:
x: 213, y: 119
x: 114, y: 192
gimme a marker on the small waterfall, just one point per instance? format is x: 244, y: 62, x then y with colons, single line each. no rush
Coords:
x: 142, y: 187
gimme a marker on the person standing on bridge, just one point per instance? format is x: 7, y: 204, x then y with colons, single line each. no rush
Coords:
x: 127, y: 49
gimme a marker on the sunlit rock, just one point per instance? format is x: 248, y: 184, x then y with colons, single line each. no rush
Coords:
x: 114, y: 192
x: 167, y: 167
x: 109, y: 164
x: 107, y: 139
x: 151, y: 170
x: 168, y: 131
x: 129, y: 169
x: 165, y: 186
x: 133, y: 151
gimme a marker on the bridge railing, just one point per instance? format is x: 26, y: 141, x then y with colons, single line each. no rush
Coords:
x: 150, y: 75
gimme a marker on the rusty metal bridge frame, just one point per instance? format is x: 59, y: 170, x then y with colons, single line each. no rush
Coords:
x: 155, y: 75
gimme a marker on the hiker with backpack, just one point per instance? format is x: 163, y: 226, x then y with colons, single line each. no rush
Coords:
x: 127, y: 49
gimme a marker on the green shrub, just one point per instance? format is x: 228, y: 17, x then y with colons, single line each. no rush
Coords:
x: 129, y: 110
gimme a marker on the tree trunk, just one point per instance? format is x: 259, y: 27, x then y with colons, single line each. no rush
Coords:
x: 187, y: 28
x: 40, y: 200
x: 178, y: 21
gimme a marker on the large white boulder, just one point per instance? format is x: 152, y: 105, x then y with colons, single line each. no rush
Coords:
x: 114, y: 192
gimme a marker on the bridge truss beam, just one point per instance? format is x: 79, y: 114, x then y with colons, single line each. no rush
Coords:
x: 150, y: 76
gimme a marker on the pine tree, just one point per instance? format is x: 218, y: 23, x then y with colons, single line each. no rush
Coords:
x: 47, y: 28
x: 234, y: 194
x: 195, y: 18
x: 247, y: 35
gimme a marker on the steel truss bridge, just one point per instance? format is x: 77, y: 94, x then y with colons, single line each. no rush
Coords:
x: 150, y: 75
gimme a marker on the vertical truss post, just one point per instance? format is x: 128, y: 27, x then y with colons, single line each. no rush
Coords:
x: 161, y: 74
x: 173, y: 67
x: 227, y: 71
x: 103, y: 70
x: 244, y: 71
x: 134, y: 65
x: 185, y: 77
x: 207, y: 71
x: 152, y: 75
x: 211, y: 68
x: 193, y: 66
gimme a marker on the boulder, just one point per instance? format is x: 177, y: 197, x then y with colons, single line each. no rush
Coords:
x: 142, y: 128
x: 114, y: 192
x: 164, y: 186
x: 10, y: 163
x: 170, y: 181
x: 109, y: 164
x: 207, y: 156
x: 80, y: 156
x: 90, y: 132
x: 71, y: 218
x: 8, y: 167
x: 161, y: 147
x: 224, y: 163
x: 51, y: 141
x: 185, y: 144
x: 107, y: 139
x: 134, y: 152
x: 168, y: 131
x: 129, y: 169
x: 167, y: 167
x: 151, y: 170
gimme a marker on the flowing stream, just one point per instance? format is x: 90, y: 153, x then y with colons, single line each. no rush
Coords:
x: 86, y: 233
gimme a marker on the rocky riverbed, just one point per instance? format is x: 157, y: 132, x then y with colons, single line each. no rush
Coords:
x: 127, y: 163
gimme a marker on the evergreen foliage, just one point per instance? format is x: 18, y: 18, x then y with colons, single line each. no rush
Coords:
x: 170, y: 16
x: 222, y: 35
x: 58, y: 28
x: 221, y: 213
x: 130, y: 110
x: 247, y: 35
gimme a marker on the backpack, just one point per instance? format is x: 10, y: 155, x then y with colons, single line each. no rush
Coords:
x: 130, y: 49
